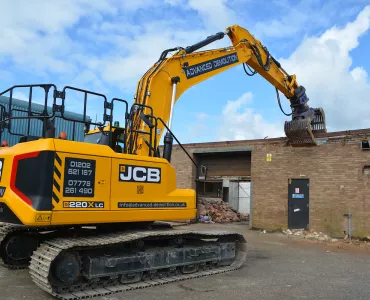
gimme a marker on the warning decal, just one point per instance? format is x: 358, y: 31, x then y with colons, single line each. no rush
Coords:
x: 298, y: 196
x: 43, y: 217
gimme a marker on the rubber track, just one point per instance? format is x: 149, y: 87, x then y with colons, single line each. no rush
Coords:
x: 49, y: 250
x: 8, y: 228
x: 5, y: 229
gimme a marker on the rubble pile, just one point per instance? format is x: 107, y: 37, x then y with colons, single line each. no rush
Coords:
x: 219, y: 212
x: 310, y: 236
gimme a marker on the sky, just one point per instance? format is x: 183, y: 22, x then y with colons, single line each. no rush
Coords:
x: 107, y: 45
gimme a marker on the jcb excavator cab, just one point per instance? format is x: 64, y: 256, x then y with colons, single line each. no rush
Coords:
x: 112, y: 136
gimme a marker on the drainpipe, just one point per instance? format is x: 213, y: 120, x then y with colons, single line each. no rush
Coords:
x: 349, y: 215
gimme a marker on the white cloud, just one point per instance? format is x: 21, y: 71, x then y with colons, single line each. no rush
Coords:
x: 241, y: 122
x: 133, y: 5
x: 38, y: 38
x: 35, y: 32
x: 301, y: 17
x: 214, y: 13
x: 202, y: 123
x: 174, y: 2
x: 143, y: 51
x: 22, y: 96
x: 324, y: 66
x: 97, y: 44
x: 201, y: 116
x: 89, y: 78
x: 359, y: 74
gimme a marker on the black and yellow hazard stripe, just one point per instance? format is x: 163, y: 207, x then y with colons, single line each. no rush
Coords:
x: 57, y: 179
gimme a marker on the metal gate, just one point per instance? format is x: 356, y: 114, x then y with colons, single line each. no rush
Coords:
x: 244, y: 197
x: 239, y: 196
x: 234, y: 194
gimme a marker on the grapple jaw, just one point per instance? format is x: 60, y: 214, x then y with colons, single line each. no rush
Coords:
x: 300, y: 131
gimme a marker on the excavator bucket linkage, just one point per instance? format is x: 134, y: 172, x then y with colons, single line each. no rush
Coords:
x: 300, y: 132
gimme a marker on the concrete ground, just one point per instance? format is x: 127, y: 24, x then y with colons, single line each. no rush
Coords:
x: 277, y: 268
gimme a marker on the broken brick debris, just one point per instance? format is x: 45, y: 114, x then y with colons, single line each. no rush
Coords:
x: 218, y: 211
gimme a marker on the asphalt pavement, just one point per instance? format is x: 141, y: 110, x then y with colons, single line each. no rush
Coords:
x: 276, y: 268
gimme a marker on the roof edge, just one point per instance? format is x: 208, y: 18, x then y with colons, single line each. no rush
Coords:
x: 364, y: 131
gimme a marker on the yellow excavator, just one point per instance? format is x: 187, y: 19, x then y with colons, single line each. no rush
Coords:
x: 87, y: 217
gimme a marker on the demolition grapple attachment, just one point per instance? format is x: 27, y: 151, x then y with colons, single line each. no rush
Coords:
x: 305, y: 121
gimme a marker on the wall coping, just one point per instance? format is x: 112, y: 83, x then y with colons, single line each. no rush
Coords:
x: 281, y: 140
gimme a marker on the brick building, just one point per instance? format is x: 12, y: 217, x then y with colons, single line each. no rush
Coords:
x: 288, y: 187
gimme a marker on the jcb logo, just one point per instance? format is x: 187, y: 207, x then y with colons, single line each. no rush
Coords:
x: 83, y: 204
x: 139, y: 174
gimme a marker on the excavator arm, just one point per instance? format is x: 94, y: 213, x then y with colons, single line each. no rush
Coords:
x: 164, y: 83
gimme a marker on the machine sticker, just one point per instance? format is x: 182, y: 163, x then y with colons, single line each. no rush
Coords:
x: 43, y: 217
x: 151, y: 204
x: 210, y: 65
x: 131, y: 173
x: 297, y: 190
x: 1, y: 167
x: 2, y: 191
x: 79, y: 177
x: 83, y: 204
x: 300, y: 196
x: 140, y: 189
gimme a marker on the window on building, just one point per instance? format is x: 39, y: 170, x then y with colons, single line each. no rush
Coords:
x: 365, y: 145
x: 210, y: 189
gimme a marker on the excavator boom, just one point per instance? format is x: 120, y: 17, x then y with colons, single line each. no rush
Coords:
x: 164, y: 83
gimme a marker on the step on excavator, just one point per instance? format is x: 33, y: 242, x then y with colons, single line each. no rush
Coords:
x: 87, y: 217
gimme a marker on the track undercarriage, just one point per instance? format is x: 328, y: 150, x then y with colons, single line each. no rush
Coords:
x: 77, y: 263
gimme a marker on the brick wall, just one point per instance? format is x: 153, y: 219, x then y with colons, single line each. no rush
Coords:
x: 338, y: 182
x: 185, y: 169
x: 337, y: 185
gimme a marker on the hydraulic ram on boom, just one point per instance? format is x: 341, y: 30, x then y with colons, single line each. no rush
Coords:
x: 169, y: 78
